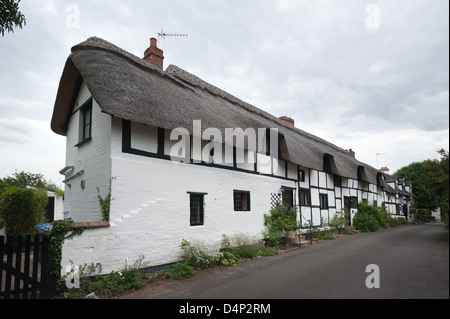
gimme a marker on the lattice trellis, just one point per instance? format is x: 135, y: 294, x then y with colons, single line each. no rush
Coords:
x: 275, y: 198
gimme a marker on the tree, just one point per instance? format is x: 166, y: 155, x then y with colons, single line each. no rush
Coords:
x: 23, y: 179
x: 10, y: 16
x: 425, y: 197
x: 430, y: 179
x: 435, y: 176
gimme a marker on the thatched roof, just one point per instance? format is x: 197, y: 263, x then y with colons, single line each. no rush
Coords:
x: 130, y: 88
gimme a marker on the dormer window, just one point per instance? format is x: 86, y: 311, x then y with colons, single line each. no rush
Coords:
x: 329, y: 166
x: 362, y: 174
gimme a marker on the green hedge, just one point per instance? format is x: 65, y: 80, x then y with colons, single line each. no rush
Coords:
x: 21, y: 209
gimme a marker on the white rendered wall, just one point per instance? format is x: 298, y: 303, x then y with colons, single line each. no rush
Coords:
x: 150, y: 212
x: 93, y: 158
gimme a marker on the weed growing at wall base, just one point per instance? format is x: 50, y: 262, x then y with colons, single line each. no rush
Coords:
x: 202, y: 256
x: 85, y: 279
x: 82, y: 280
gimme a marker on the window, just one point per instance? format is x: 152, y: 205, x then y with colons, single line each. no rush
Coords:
x: 301, y: 175
x: 196, y: 203
x: 86, y: 122
x: 323, y: 201
x: 241, y: 200
x: 351, y: 202
x: 305, y: 197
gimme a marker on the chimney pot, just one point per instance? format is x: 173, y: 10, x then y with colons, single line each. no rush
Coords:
x: 351, y: 152
x: 154, y: 55
x: 384, y: 169
x: 287, y: 120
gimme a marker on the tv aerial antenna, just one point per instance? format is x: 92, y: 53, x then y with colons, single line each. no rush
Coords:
x: 163, y: 35
x: 378, y: 154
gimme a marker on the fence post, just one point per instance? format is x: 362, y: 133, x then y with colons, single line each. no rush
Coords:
x: 48, y: 278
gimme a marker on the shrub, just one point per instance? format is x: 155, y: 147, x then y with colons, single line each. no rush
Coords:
x: 365, y: 222
x: 422, y: 215
x: 281, y: 218
x: 21, y: 209
x: 246, y: 251
x: 379, y: 214
x: 338, y: 221
x: 200, y: 257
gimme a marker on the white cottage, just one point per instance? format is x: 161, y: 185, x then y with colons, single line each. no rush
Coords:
x: 186, y: 160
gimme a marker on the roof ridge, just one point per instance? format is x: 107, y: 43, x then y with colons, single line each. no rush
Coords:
x: 101, y: 44
x: 97, y: 43
x: 198, y: 82
x: 190, y: 81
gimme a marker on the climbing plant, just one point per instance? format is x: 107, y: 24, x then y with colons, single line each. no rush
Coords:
x: 105, y: 203
x: 61, y: 231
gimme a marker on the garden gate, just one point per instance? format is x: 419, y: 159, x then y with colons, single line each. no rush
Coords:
x: 26, y: 267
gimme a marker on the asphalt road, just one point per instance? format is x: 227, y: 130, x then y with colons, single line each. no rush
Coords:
x: 413, y: 262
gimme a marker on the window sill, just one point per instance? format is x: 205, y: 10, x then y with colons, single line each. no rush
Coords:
x: 83, y: 142
x: 100, y: 224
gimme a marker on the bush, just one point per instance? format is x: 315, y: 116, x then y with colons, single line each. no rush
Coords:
x: 247, y: 250
x: 379, y: 214
x: 21, y: 209
x: 338, y: 221
x: 422, y: 215
x: 281, y: 218
x: 365, y: 222
x: 200, y: 257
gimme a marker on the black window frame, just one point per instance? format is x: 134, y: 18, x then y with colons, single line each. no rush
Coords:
x: 86, y: 109
x: 301, y: 175
x: 323, y: 201
x: 305, y: 197
x: 353, y: 202
x: 241, y: 200
x: 196, y: 208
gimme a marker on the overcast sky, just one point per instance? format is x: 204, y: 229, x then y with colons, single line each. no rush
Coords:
x: 368, y: 75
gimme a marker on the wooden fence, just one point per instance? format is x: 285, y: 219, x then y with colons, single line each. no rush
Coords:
x: 26, y: 267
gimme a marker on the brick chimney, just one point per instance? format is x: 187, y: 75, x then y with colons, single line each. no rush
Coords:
x: 154, y: 55
x: 351, y: 152
x: 384, y: 169
x: 288, y: 120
